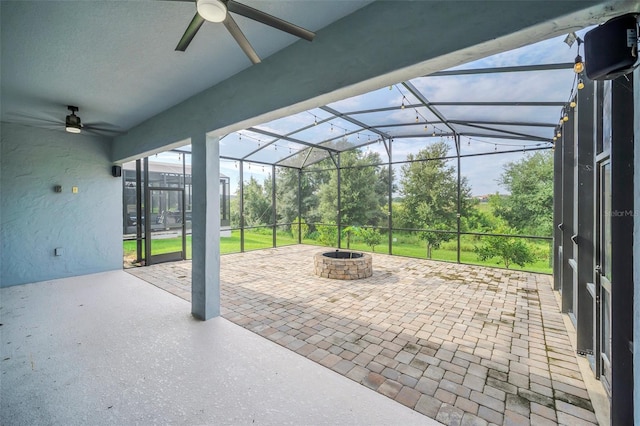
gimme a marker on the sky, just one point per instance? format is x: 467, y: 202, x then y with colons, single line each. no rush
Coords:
x: 482, y: 172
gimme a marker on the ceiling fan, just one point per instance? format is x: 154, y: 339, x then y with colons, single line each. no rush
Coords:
x: 218, y: 11
x: 72, y: 122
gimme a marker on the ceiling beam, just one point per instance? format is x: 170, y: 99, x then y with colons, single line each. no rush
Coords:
x: 494, y: 70
x: 515, y: 138
x: 462, y: 103
x: 352, y: 120
x: 502, y: 103
x: 287, y: 138
x: 422, y: 123
x: 506, y: 123
x: 425, y: 102
x: 492, y: 129
x: 422, y: 135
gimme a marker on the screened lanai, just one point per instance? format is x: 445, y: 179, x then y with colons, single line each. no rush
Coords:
x: 455, y: 166
x: 467, y: 123
x: 474, y: 342
x: 504, y: 162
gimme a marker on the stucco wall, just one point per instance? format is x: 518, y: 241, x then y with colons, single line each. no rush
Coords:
x: 34, y: 219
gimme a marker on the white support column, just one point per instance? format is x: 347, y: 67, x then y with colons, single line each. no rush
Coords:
x: 205, y: 278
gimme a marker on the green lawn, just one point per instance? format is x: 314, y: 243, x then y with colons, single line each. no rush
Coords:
x: 159, y: 246
x: 252, y: 241
x: 405, y: 245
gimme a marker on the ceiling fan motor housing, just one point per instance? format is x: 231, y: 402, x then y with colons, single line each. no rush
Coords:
x: 73, y: 121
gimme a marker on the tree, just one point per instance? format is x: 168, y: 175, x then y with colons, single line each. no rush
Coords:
x: 434, y: 238
x: 287, y: 194
x: 257, y: 203
x: 370, y: 236
x: 477, y: 220
x: 235, y: 210
x: 529, y: 207
x: 348, y: 232
x: 509, y: 249
x: 311, y: 183
x: 362, y: 195
x: 429, y: 187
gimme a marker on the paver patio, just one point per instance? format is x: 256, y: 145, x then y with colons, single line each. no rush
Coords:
x: 461, y: 344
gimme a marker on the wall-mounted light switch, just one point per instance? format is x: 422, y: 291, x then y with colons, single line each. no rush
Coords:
x: 59, y: 251
x: 57, y: 188
x: 74, y: 189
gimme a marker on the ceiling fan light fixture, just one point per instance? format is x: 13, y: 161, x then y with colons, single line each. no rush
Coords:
x: 71, y: 127
x: 72, y: 122
x: 212, y: 10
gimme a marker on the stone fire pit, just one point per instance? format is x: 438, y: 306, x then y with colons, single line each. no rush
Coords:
x: 343, y: 265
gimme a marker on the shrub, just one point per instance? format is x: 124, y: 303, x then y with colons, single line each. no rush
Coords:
x: 267, y: 230
x: 348, y: 232
x: 508, y: 249
x: 314, y: 235
x: 370, y: 236
x: 328, y: 235
x: 303, y: 225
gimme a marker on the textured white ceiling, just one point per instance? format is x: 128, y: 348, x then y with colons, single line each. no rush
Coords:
x: 116, y: 61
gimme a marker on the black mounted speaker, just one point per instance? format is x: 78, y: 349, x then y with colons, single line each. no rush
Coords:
x: 116, y: 171
x: 611, y: 50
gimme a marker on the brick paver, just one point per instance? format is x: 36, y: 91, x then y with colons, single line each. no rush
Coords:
x: 457, y: 343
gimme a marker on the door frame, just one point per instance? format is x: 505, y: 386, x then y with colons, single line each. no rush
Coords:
x: 164, y: 257
x: 602, y: 284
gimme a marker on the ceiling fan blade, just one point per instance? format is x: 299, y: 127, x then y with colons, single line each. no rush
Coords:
x: 96, y: 127
x: 190, y: 33
x: 238, y: 35
x: 29, y: 118
x: 100, y: 132
x: 272, y: 21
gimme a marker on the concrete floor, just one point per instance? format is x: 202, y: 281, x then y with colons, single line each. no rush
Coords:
x: 457, y: 343
x: 112, y: 349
